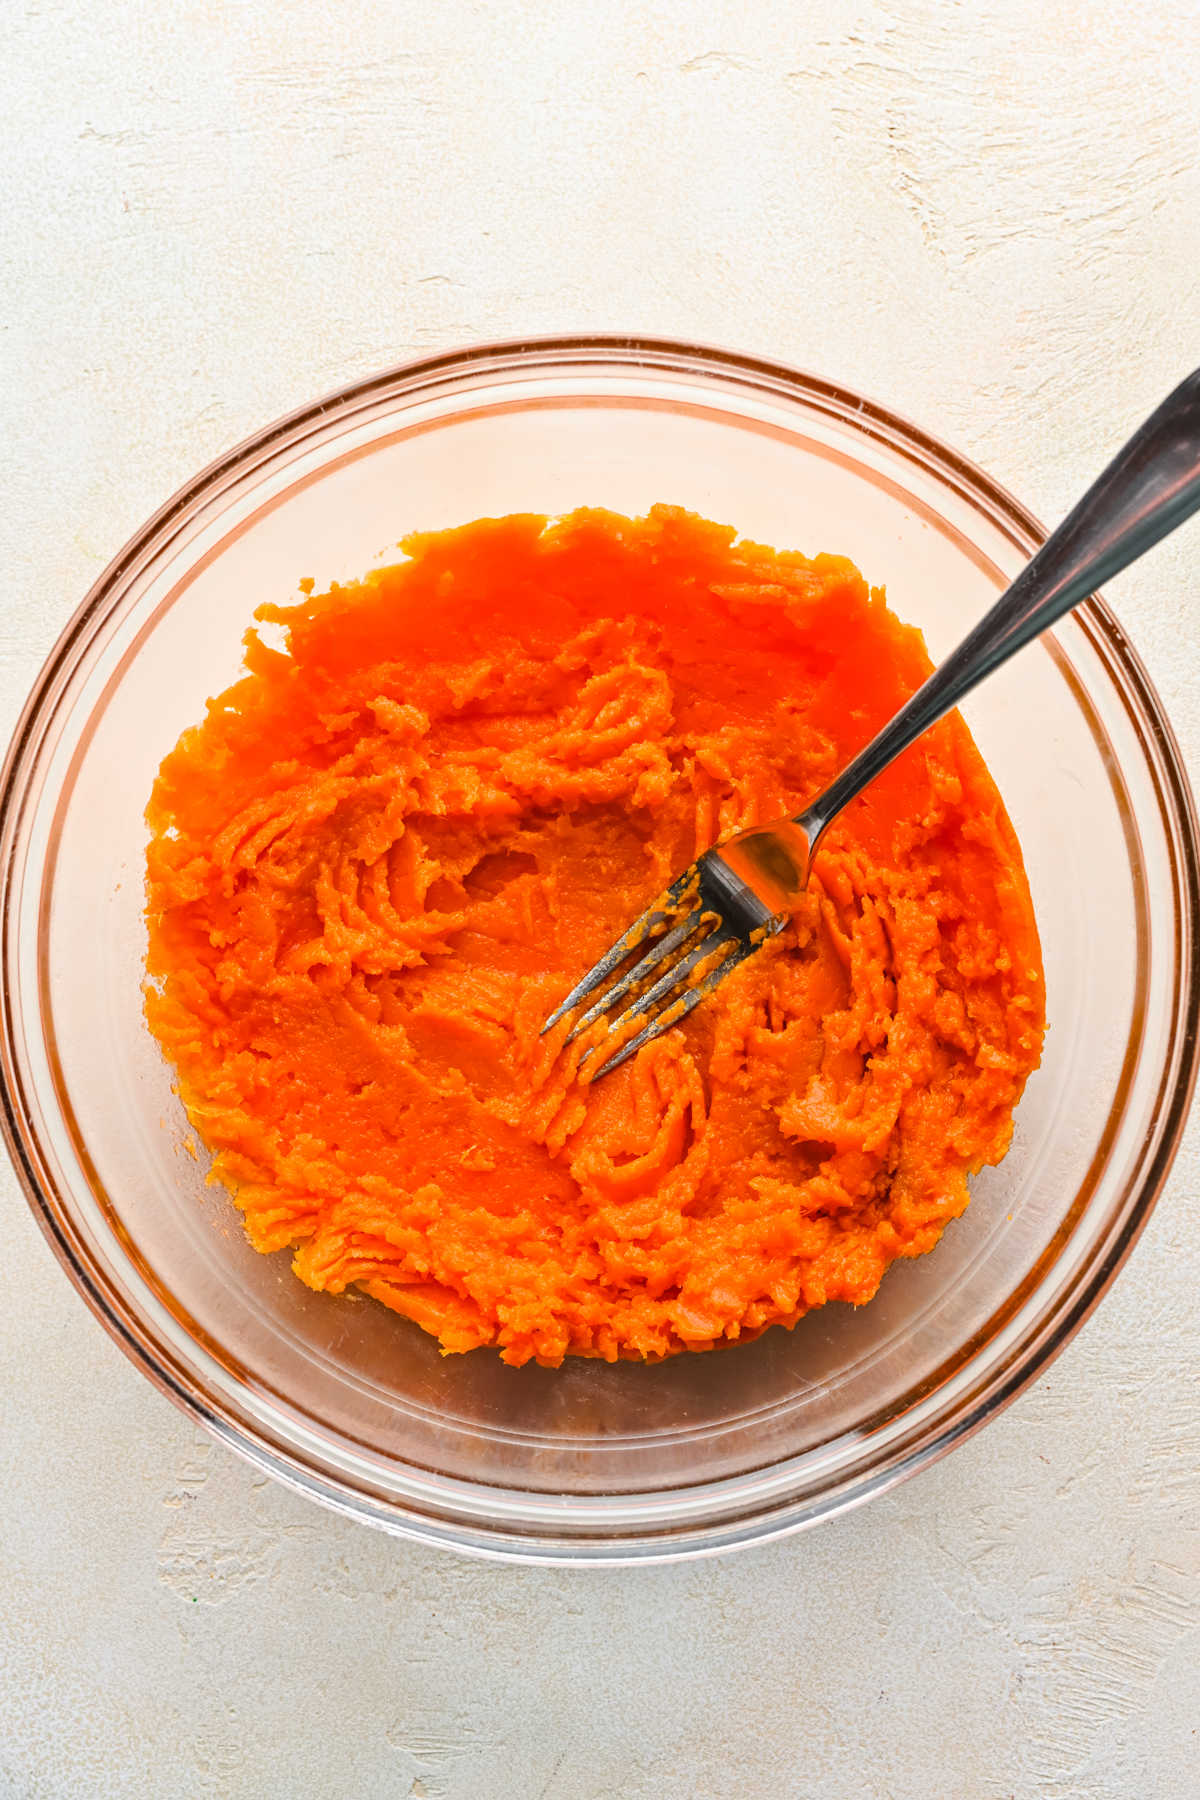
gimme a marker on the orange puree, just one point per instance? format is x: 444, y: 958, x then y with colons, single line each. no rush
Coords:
x: 393, y: 845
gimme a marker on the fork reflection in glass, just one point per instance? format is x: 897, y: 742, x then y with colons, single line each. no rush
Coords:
x: 737, y: 895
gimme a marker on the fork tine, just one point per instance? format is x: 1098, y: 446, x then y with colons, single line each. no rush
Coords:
x: 669, y: 1016
x: 658, y: 913
x: 676, y: 1013
x: 663, y: 946
x: 674, y: 979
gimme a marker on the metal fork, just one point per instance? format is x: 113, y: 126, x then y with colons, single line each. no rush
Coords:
x: 742, y: 892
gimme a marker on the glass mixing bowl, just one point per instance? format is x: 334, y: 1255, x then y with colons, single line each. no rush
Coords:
x: 343, y: 1400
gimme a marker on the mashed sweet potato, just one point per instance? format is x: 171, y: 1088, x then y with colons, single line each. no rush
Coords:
x: 391, y: 848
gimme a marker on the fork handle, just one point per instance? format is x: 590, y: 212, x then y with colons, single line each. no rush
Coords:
x: 1149, y: 488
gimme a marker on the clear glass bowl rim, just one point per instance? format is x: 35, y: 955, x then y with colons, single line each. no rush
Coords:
x: 507, y: 1534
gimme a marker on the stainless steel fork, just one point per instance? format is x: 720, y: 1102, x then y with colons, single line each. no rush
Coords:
x: 739, y: 894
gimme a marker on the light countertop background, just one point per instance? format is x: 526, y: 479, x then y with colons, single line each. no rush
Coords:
x: 987, y: 216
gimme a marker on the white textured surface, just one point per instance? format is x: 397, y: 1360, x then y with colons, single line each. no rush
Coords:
x: 989, y: 217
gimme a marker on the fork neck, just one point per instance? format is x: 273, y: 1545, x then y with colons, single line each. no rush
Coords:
x: 773, y: 861
x: 871, y: 761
